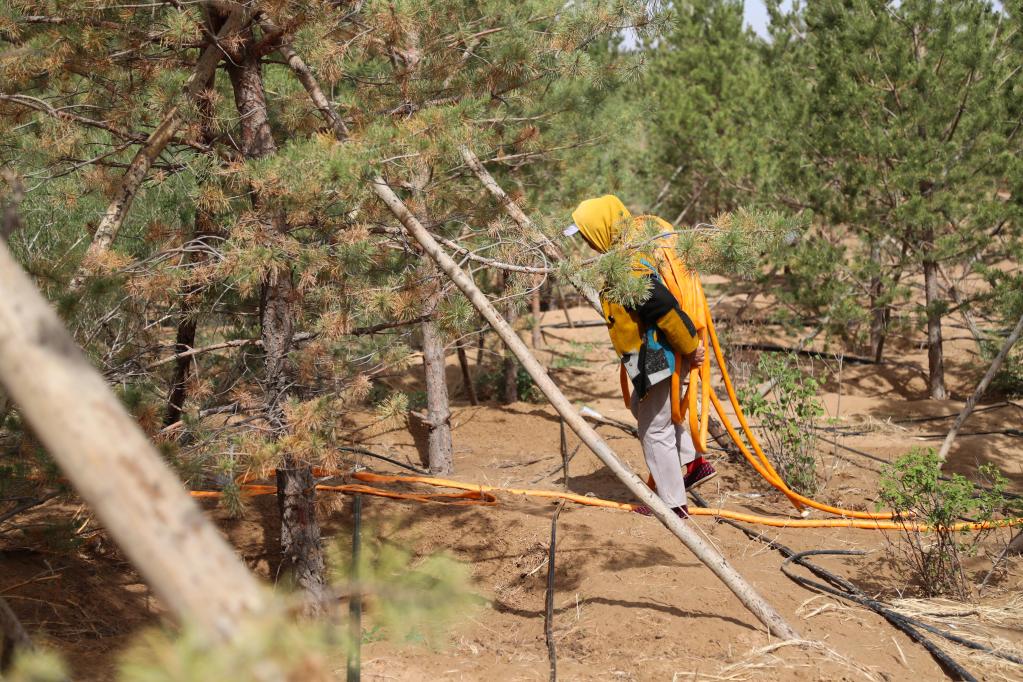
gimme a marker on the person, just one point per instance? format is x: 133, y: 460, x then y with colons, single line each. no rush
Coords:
x: 647, y: 338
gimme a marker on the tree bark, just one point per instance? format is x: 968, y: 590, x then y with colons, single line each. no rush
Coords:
x: 114, y: 467
x: 878, y: 312
x: 117, y: 210
x: 184, y: 339
x: 438, y: 410
x: 680, y: 528
x: 277, y: 322
x: 510, y: 369
x: 935, y: 352
x: 982, y: 387
x: 300, y: 534
x: 550, y: 249
x: 312, y: 88
x: 438, y: 403
x: 534, y: 310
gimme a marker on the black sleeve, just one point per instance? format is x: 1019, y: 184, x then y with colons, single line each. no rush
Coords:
x: 662, y: 311
x: 658, y: 304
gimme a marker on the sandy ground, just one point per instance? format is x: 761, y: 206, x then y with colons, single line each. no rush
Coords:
x: 631, y: 602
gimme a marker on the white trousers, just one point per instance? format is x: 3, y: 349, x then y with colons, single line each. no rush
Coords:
x: 667, y: 447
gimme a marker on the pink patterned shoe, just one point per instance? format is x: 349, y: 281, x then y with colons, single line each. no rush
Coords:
x: 643, y: 510
x: 698, y: 472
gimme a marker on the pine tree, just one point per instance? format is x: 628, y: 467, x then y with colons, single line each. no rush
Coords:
x: 241, y: 267
x: 709, y: 114
x: 907, y: 141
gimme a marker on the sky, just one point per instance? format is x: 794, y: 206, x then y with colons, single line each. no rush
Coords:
x: 755, y: 14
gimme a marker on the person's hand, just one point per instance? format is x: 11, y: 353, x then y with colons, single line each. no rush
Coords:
x: 695, y: 358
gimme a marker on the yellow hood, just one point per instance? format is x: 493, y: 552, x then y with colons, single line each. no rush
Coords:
x: 602, y: 220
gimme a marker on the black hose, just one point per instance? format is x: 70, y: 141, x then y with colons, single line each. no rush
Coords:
x: 369, y: 453
x: 354, y: 667
x: 548, y: 619
x: 841, y: 587
x: 899, y: 621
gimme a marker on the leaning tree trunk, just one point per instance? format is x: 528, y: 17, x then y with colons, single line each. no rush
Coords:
x: 989, y: 376
x: 301, y: 548
x: 935, y: 353
x: 681, y: 529
x: 115, y: 214
x: 104, y: 454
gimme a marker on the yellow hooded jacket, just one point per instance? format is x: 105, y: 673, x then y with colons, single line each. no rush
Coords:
x: 639, y: 334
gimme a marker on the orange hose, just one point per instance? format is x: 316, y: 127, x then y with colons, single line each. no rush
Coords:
x: 767, y: 471
x: 735, y: 404
x: 865, y: 524
x: 483, y: 494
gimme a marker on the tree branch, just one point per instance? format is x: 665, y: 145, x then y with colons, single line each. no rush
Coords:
x: 981, y: 388
x: 132, y: 179
x: 550, y: 249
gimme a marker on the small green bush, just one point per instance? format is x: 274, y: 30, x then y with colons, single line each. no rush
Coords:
x: 490, y: 385
x: 913, y: 487
x: 787, y: 417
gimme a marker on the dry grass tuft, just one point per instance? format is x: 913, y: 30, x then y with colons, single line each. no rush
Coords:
x: 757, y: 661
x: 986, y: 624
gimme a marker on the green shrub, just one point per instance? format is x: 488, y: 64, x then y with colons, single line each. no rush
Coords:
x: 406, y: 598
x: 913, y: 487
x: 490, y: 385
x: 786, y: 419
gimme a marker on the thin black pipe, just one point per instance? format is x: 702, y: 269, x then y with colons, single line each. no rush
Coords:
x: 355, y: 605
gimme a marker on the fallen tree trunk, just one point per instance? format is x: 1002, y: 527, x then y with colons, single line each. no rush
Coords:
x: 681, y: 529
x: 114, y: 467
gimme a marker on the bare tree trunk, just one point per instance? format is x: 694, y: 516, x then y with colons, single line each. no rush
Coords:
x: 878, y: 312
x: 131, y: 181
x: 981, y: 388
x: 300, y: 531
x: 680, y: 528
x: 935, y: 353
x: 438, y: 403
x: 184, y: 340
x: 114, y: 467
x: 529, y: 230
x: 463, y: 362
x: 438, y: 410
x: 185, y: 337
x: 511, y: 367
x: 534, y: 310
x: 312, y: 87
